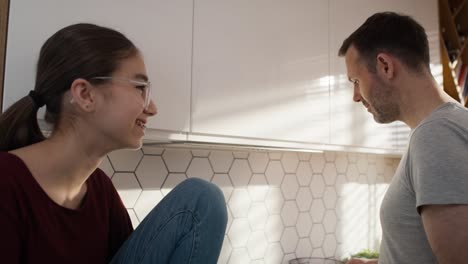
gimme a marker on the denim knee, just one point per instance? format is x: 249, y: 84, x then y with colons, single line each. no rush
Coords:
x: 209, y: 194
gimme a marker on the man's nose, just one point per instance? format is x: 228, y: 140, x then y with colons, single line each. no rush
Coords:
x: 356, y: 95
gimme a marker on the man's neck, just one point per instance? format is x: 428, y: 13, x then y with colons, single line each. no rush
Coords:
x: 419, y: 98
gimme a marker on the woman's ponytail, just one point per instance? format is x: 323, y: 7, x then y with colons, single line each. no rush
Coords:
x: 19, y: 126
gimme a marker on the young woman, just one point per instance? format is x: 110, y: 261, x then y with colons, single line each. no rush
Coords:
x: 56, y: 206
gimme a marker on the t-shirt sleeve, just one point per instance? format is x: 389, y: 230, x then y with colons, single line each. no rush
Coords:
x: 10, y: 223
x: 120, y: 223
x: 438, y: 163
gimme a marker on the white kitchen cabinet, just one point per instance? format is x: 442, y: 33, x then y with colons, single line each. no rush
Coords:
x: 161, y: 29
x: 351, y: 124
x: 263, y: 72
x: 260, y: 70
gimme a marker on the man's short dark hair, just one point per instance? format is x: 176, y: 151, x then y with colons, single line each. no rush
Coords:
x: 398, y: 35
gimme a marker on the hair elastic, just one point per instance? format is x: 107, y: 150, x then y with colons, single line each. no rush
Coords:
x: 38, y: 101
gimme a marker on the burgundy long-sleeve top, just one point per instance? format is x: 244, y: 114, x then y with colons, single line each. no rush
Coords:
x: 34, y: 229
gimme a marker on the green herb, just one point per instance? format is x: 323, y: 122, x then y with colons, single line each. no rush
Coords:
x: 366, y: 253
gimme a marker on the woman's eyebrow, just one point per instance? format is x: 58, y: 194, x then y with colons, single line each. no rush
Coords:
x: 141, y: 77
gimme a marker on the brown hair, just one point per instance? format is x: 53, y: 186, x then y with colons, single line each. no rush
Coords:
x: 77, y: 51
x: 393, y: 33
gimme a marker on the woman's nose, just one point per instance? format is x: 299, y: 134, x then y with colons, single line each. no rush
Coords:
x: 152, y: 109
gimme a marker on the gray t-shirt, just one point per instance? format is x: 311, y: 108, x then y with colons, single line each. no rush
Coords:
x: 434, y: 170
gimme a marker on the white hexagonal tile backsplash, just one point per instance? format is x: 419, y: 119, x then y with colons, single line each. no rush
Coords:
x: 258, y: 161
x: 290, y: 187
x: 304, y: 173
x: 257, y: 245
x: 290, y: 160
x: 258, y: 216
x: 239, y: 203
x: 239, y: 232
x: 289, y: 240
x: 281, y: 205
x: 177, y: 160
x: 106, y: 166
x: 128, y: 188
x: 274, y: 253
x: 274, y: 173
x: 221, y: 161
x: 200, y: 168
x: 151, y: 172
x: 274, y: 228
x: 304, y: 225
x: 125, y: 160
x: 240, y: 173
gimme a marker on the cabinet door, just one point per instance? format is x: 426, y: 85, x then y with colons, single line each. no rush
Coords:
x: 351, y: 124
x: 161, y: 29
x: 260, y: 69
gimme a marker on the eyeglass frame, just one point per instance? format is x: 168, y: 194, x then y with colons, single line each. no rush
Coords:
x: 146, y: 92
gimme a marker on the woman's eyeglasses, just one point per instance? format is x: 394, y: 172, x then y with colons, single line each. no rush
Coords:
x: 143, y: 86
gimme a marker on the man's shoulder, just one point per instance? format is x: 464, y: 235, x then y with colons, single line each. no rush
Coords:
x: 445, y: 124
x: 449, y: 115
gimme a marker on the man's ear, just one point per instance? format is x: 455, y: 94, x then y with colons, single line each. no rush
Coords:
x: 385, y: 66
x: 83, y: 95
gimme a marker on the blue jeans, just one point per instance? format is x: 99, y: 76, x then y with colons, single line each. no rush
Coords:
x: 187, y: 226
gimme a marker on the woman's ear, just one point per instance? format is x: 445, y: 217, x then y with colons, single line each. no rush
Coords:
x: 385, y: 66
x: 83, y: 95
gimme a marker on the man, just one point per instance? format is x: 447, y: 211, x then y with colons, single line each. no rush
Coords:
x: 424, y: 214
